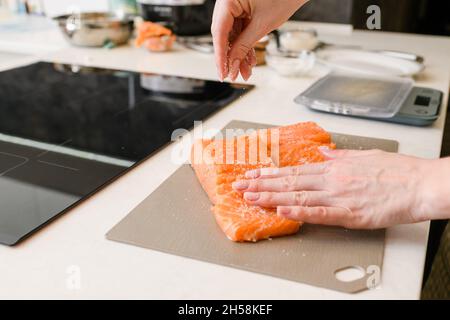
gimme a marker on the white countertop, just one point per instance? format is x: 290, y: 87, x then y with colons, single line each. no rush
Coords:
x: 30, y: 34
x: 42, y: 266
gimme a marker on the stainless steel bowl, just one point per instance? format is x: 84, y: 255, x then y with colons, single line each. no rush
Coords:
x: 95, y: 29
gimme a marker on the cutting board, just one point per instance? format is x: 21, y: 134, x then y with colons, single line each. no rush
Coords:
x: 176, y: 219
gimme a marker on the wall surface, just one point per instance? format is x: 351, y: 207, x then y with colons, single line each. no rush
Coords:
x: 333, y: 11
x: 412, y: 16
x: 56, y: 7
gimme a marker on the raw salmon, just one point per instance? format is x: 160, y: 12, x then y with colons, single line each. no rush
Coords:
x: 218, y: 163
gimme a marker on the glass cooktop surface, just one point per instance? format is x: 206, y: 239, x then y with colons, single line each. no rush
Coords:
x: 66, y: 131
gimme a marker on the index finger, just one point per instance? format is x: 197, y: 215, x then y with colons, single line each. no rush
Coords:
x: 222, y: 25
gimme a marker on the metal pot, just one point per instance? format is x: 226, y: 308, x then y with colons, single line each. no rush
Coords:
x: 183, y: 17
x: 95, y: 29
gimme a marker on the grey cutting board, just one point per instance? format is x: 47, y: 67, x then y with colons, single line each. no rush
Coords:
x: 176, y: 219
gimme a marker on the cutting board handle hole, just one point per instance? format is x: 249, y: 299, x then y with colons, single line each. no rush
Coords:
x: 350, y: 274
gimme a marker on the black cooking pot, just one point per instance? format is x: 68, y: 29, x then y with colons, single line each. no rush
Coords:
x: 183, y: 17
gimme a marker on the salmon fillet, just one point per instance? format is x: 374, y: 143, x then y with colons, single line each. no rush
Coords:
x: 218, y: 163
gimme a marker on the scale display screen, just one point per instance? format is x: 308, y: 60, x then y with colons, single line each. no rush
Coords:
x: 422, y: 101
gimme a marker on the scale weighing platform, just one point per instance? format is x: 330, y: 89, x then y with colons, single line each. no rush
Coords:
x: 384, y: 99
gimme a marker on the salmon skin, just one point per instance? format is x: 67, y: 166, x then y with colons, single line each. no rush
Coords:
x: 218, y: 163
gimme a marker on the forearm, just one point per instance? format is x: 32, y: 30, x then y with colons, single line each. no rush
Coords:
x: 435, y: 190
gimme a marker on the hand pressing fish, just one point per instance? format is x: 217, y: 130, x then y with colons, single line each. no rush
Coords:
x: 239, y: 220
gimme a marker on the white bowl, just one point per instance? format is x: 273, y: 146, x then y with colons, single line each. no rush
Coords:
x: 290, y: 64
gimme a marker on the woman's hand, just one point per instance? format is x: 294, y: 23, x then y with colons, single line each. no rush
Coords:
x: 238, y: 24
x: 354, y: 189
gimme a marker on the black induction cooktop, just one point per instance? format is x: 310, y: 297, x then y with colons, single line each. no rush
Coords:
x: 66, y: 131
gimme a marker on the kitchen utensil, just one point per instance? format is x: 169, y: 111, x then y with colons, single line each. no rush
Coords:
x: 392, y: 53
x: 402, y: 55
x: 289, y: 63
x: 296, y: 39
x: 95, y: 29
x: 173, y: 85
x: 357, y: 95
x: 201, y: 44
x: 367, y: 62
x: 184, y: 17
x: 384, y: 99
x: 176, y: 219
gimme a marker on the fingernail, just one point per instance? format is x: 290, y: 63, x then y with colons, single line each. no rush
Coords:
x: 324, y: 149
x: 253, y: 174
x: 283, y: 211
x: 251, y: 196
x: 234, y: 71
x: 269, y: 172
x: 240, y: 185
x: 220, y: 75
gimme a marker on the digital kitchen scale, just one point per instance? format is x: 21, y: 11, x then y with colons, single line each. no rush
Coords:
x: 384, y: 99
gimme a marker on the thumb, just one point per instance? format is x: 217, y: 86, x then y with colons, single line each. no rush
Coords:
x: 241, y: 47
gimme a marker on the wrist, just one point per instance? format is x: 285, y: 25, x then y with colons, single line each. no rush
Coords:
x: 434, y: 190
